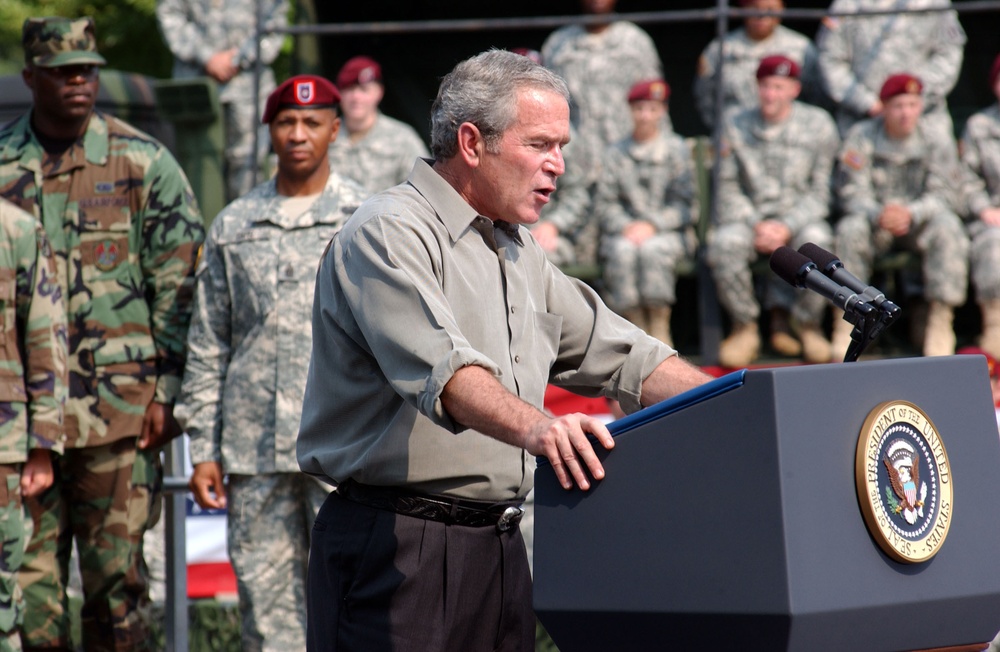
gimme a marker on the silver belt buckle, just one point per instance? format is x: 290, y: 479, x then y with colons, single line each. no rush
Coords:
x: 510, y: 517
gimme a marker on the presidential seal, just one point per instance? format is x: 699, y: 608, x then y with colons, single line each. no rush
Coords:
x: 904, y: 482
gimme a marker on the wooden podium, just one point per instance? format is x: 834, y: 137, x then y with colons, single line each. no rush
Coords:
x: 730, y: 519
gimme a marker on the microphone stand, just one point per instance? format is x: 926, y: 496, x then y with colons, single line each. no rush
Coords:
x: 869, y: 327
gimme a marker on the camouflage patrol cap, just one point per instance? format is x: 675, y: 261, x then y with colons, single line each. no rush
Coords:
x: 53, y: 41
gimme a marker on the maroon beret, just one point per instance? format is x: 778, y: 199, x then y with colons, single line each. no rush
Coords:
x: 301, y: 92
x: 534, y: 55
x: 898, y: 85
x: 359, y: 70
x: 777, y: 65
x: 650, y: 89
x: 995, y: 72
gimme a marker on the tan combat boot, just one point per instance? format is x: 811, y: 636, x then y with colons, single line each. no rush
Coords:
x: 637, y: 316
x: 741, y: 347
x: 989, y: 341
x: 841, y: 339
x: 658, y: 319
x: 782, y: 340
x: 815, y: 347
x: 939, y: 334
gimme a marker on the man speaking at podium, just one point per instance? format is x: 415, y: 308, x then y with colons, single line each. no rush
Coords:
x: 437, y: 324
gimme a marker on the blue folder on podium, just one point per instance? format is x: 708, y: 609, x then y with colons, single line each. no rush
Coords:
x: 681, y: 401
x: 733, y: 511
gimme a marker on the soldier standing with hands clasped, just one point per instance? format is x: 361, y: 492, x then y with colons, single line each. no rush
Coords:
x: 248, y: 355
x: 125, y: 230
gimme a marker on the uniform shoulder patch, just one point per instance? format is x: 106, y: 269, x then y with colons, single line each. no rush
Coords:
x: 853, y: 159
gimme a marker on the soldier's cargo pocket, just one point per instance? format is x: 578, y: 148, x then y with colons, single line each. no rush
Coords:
x: 8, y: 310
x: 14, y: 541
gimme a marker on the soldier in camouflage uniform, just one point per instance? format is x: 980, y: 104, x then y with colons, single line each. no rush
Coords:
x: 897, y: 183
x: 249, y: 348
x: 646, y: 203
x: 600, y: 63
x: 374, y: 150
x: 857, y: 54
x: 742, y: 50
x: 218, y: 39
x: 567, y: 230
x: 32, y: 393
x: 774, y: 190
x: 124, y: 227
x: 980, y: 147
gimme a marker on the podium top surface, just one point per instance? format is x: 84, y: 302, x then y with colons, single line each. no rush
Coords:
x: 704, y: 392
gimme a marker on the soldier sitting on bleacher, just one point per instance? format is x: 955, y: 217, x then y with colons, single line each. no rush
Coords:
x: 774, y: 190
x: 646, y: 202
x: 896, y: 186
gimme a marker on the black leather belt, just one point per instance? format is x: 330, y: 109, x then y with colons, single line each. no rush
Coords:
x: 469, y: 513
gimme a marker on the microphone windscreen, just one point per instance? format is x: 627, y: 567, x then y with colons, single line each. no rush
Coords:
x: 787, y: 263
x: 818, y: 255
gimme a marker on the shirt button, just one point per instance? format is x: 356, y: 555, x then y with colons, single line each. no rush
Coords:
x: 517, y: 359
x: 512, y: 310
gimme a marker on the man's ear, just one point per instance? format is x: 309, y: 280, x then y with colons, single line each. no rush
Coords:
x: 470, y: 144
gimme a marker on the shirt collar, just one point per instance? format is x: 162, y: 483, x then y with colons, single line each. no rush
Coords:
x: 454, y: 212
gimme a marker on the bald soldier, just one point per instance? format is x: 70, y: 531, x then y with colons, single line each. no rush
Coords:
x: 896, y: 183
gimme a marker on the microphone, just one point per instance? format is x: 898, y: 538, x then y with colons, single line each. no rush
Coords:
x: 830, y: 265
x: 799, y: 271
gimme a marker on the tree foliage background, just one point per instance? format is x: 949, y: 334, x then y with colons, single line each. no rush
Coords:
x: 127, y: 34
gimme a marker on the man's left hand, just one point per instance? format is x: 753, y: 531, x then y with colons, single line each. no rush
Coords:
x: 158, y: 426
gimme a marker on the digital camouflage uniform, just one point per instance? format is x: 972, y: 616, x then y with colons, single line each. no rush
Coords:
x: 32, y: 388
x: 921, y: 172
x: 857, y: 54
x: 380, y: 160
x: 125, y: 229
x: 740, y: 58
x: 780, y: 172
x: 249, y: 349
x: 599, y: 70
x: 650, y: 182
x: 194, y: 30
x: 981, y: 156
x: 569, y: 211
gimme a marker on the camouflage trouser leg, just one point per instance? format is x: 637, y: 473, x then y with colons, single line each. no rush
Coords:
x: 643, y: 275
x: 729, y: 255
x: 856, y: 245
x: 806, y: 306
x: 269, y: 521
x: 89, y: 502
x: 145, y: 507
x: 944, y: 245
x: 985, y: 260
x: 15, y: 530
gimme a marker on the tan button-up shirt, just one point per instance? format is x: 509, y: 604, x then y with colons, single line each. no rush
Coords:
x: 410, y: 292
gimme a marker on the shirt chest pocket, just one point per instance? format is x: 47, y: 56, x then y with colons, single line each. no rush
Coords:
x: 105, y: 226
x: 11, y: 380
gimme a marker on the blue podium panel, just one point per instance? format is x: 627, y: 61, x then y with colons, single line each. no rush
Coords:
x: 738, y: 512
